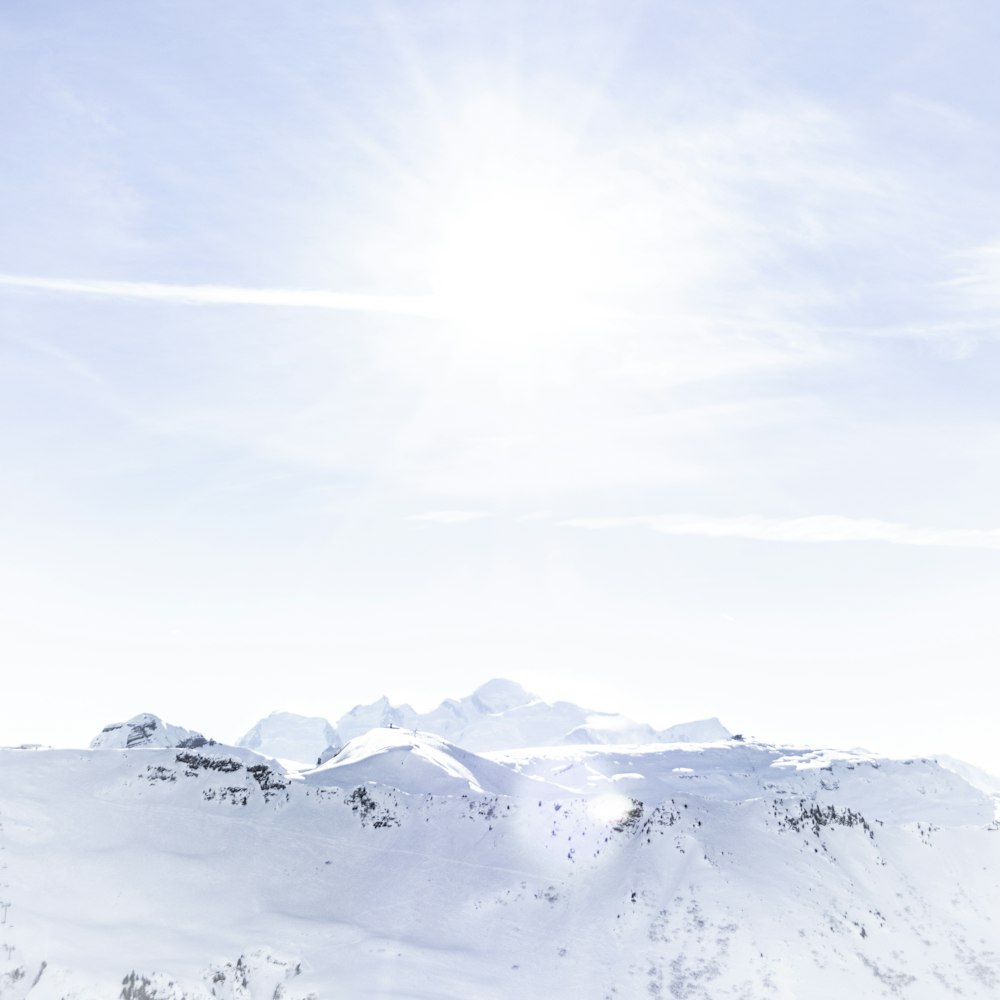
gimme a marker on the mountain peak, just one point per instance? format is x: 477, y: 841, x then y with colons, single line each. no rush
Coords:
x: 145, y: 730
x: 500, y: 695
x: 498, y: 715
x: 699, y: 731
x: 288, y: 736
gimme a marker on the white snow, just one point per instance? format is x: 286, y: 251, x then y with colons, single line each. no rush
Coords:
x: 290, y: 737
x: 498, y: 715
x: 418, y: 763
x: 144, y: 730
x: 408, y: 867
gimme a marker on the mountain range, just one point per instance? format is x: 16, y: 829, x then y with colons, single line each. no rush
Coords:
x: 498, y: 715
x: 161, y: 865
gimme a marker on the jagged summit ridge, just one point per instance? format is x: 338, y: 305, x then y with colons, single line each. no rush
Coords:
x: 497, y: 715
x: 380, y: 713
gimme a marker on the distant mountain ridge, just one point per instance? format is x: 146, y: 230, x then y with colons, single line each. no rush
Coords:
x: 286, y: 736
x: 498, y: 715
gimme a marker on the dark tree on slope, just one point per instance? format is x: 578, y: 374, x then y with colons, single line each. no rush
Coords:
x: 135, y: 987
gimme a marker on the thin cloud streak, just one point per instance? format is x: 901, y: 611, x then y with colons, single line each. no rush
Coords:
x: 797, y: 337
x: 227, y: 295
x: 814, y: 529
x: 450, y: 516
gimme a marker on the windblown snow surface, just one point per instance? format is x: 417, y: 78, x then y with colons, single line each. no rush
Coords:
x: 406, y: 867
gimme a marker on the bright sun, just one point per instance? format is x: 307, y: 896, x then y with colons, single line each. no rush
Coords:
x: 513, y: 253
x: 520, y: 248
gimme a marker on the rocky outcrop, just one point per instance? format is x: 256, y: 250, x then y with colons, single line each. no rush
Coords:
x: 146, y: 730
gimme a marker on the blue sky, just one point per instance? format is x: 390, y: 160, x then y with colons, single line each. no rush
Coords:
x: 645, y: 353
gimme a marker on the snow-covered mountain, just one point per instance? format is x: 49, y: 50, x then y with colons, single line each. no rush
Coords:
x: 409, y: 867
x: 362, y: 718
x: 419, y: 765
x: 498, y: 715
x: 287, y: 736
x: 145, y: 730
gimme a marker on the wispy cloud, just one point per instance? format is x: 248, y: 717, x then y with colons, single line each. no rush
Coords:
x: 227, y: 295
x: 977, y: 285
x: 814, y: 529
x: 450, y: 516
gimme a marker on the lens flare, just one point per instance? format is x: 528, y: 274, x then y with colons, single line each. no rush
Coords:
x: 609, y: 808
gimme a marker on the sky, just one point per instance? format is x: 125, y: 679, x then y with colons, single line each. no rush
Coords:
x: 644, y: 353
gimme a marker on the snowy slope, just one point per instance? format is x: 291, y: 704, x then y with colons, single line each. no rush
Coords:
x: 975, y: 776
x: 421, y: 763
x: 709, y: 872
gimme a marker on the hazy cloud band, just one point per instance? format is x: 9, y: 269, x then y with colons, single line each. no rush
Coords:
x: 449, y: 516
x: 814, y: 529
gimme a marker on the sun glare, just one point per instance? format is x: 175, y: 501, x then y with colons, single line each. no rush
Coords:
x: 609, y: 808
x: 515, y: 258
x: 520, y: 250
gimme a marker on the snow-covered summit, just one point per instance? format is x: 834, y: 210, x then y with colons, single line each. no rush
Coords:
x: 500, y: 695
x: 498, y: 715
x: 502, y: 715
x: 699, y: 731
x: 418, y: 763
x: 145, y: 730
x: 381, y: 713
